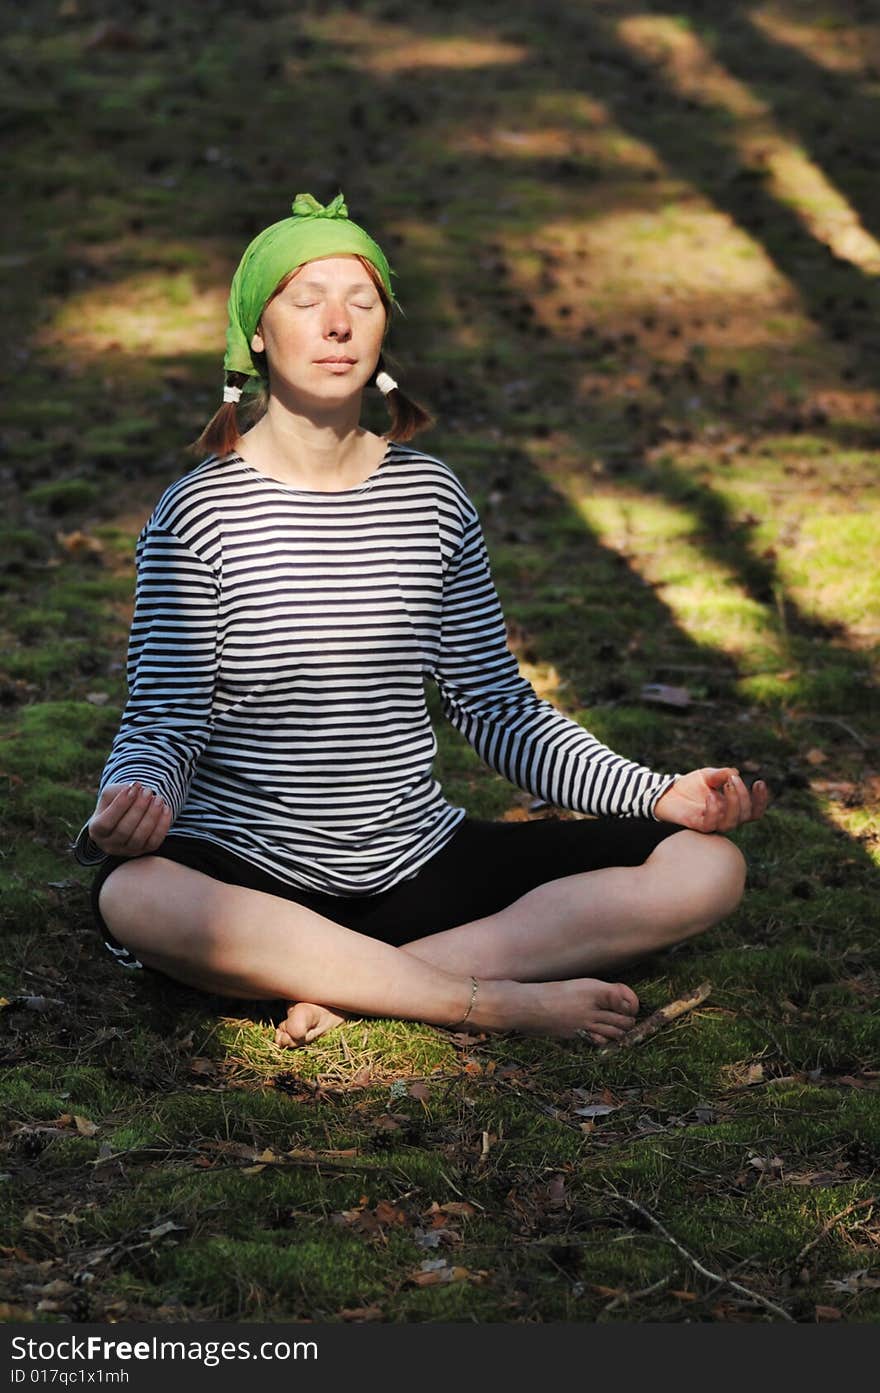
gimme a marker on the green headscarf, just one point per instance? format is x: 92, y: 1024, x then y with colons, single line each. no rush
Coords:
x: 312, y: 232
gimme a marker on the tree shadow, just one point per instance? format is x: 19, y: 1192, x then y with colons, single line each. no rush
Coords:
x: 834, y: 126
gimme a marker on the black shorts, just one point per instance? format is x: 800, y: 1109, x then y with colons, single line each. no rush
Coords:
x: 481, y: 870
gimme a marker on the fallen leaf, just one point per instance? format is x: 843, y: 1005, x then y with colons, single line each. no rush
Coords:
x: 201, y: 1065
x: 389, y: 1214
x: 361, y: 1313
x: 766, y: 1164
x: 663, y: 695
x: 815, y: 756
x: 36, y: 1219
x: 420, y: 1091
x: 828, y: 1313
x: 84, y: 1126
x: 58, y: 1287
x: 161, y: 1230
x: 556, y: 1191
x: 595, y: 1110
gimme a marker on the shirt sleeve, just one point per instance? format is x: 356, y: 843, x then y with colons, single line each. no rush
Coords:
x: 499, y: 713
x: 171, y: 671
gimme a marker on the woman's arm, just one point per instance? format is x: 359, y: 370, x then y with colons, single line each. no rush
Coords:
x: 516, y: 732
x: 172, y: 663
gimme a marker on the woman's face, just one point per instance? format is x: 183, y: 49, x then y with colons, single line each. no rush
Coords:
x: 323, y: 332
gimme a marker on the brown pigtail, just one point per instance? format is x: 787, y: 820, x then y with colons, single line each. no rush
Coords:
x: 224, y: 429
x: 407, y: 416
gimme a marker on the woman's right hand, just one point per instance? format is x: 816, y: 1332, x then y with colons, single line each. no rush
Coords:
x: 129, y: 820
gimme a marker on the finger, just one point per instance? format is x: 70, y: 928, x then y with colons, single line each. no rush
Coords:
x: 760, y: 799
x: 113, y: 793
x: 107, y: 820
x: 146, y: 828
x: 744, y: 802
x: 131, y: 817
x: 161, y: 823
x: 129, y: 828
x: 717, y: 778
x: 730, y: 812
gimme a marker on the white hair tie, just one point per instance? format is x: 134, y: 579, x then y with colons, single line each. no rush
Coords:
x: 385, y: 382
x: 232, y: 394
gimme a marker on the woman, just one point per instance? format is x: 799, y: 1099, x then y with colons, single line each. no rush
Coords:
x: 267, y: 824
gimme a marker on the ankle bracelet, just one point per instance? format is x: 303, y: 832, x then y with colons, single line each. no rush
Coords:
x: 456, y: 1025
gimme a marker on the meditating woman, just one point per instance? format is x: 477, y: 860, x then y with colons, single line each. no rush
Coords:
x: 268, y: 825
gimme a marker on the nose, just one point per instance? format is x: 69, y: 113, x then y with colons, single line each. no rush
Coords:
x: 337, y: 322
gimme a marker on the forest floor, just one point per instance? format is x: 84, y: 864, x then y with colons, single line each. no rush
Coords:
x: 638, y: 254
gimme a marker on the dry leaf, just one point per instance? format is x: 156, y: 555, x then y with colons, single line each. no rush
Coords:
x: 420, y: 1091
x: 388, y: 1214
x: 84, y: 1126
x: 815, y: 756
x: 828, y: 1313
x: 201, y: 1065
x: 663, y: 695
x: 58, y: 1287
x: 79, y: 543
x: 162, y: 1229
x: 556, y: 1191
x: 36, y: 1219
x: 360, y: 1313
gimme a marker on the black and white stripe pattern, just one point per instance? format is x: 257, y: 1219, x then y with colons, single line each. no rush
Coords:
x: 277, y: 660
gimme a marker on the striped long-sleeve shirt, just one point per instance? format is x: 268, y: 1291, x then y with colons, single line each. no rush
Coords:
x: 277, y: 662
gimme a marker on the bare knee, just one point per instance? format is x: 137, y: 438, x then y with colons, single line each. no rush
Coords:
x: 129, y: 901
x: 704, y: 879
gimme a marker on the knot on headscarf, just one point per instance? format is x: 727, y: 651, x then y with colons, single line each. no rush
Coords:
x: 305, y: 205
x: 312, y: 232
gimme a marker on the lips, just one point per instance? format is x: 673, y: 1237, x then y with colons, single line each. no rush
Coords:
x: 336, y: 360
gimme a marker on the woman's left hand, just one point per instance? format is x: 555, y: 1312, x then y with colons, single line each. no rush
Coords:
x: 712, y: 800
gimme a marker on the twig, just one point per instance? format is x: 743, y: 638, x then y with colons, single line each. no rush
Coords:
x: 704, y: 1271
x: 662, y: 1017
x: 627, y: 1297
x: 857, y: 1204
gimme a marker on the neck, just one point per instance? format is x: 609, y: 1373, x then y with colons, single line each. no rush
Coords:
x: 326, y: 452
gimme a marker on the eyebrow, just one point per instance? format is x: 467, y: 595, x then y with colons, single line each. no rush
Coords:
x: 322, y: 285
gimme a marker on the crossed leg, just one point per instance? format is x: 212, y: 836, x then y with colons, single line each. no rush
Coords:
x: 592, y: 922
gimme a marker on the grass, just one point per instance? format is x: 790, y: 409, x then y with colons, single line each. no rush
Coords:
x: 638, y: 262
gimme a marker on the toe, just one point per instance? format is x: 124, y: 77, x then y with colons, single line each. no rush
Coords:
x: 606, y: 1032
x: 625, y: 999
x: 613, y: 1018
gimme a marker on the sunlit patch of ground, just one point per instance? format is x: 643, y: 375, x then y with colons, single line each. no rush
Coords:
x: 149, y: 314
x: 794, y: 178
x: 674, y: 273
x: 836, y: 41
x: 393, y: 49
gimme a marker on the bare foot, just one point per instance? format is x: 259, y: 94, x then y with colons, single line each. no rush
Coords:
x: 598, y: 1011
x: 306, y: 1022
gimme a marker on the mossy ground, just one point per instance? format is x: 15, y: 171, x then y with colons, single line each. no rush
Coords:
x: 638, y: 254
